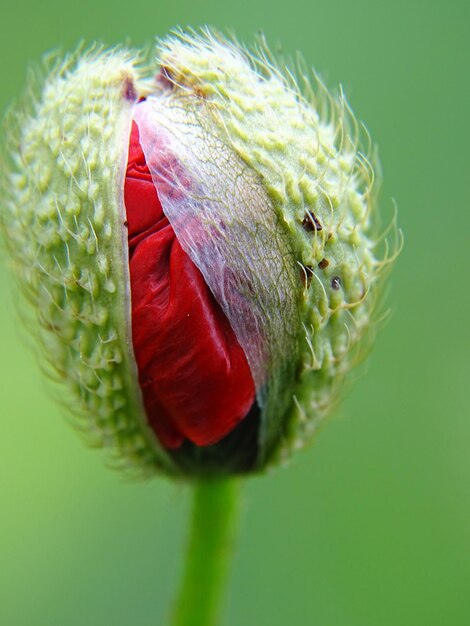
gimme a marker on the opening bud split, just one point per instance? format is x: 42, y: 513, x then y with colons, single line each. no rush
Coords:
x: 196, y: 240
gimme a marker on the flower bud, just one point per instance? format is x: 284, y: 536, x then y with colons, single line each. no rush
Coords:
x: 197, y: 243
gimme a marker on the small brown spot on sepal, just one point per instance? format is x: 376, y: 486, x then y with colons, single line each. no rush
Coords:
x: 165, y: 78
x: 307, y: 274
x: 323, y: 264
x: 199, y: 92
x: 336, y: 283
x: 128, y: 91
x: 311, y: 223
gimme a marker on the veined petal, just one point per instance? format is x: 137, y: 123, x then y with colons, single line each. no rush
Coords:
x: 193, y: 373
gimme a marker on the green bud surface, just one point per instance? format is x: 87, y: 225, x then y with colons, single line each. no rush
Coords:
x: 280, y: 218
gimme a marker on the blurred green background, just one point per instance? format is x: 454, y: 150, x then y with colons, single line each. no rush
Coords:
x: 370, y: 526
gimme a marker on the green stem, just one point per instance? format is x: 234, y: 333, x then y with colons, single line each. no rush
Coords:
x: 215, y: 509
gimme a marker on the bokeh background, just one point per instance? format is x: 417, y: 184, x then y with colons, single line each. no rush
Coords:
x: 370, y: 526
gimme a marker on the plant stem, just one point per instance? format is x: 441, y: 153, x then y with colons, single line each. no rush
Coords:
x: 214, y: 517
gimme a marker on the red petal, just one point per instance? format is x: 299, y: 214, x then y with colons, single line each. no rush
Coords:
x: 194, y: 376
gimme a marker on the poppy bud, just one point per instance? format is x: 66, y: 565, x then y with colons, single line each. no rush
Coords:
x: 197, y: 243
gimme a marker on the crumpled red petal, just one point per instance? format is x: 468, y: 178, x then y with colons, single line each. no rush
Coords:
x: 194, y: 376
